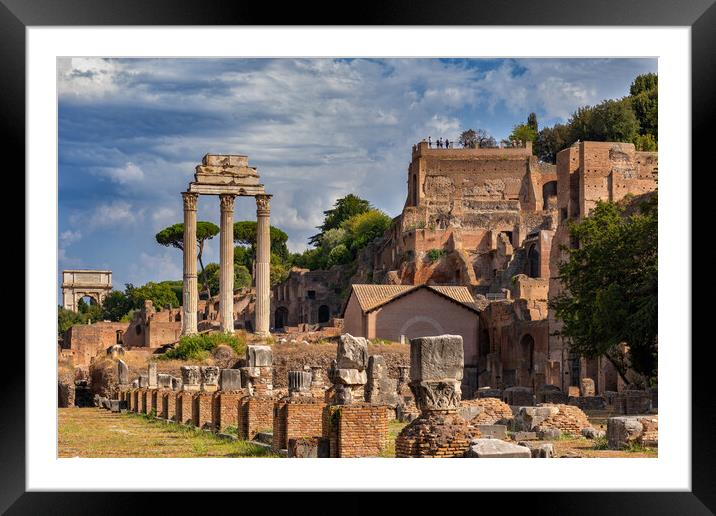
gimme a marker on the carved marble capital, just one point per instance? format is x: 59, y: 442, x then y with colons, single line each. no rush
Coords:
x: 436, y: 395
x: 263, y: 203
x: 227, y: 202
x: 189, y: 201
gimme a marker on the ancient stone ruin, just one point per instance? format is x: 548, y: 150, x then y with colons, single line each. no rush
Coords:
x: 436, y: 369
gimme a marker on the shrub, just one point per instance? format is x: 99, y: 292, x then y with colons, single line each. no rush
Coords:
x: 433, y: 255
x: 198, y: 347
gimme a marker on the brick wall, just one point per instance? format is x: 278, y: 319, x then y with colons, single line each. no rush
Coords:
x: 295, y: 418
x: 255, y: 415
x: 359, y: 430
x: 202, y: 410
x: 170, y: 402
x: 184, y: 407
x: 144, y: 401
x: 154, y: 401
x: 226, y: 409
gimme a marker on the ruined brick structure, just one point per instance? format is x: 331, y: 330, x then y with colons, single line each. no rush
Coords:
x: 475, y: 206
x: 306, y: 297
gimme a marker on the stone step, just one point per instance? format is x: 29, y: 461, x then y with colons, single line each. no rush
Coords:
x: 264, y: 437
x: 282, y: 453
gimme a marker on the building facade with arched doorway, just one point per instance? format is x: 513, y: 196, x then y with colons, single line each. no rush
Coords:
x: 306, y: 297
x: 401, y: 312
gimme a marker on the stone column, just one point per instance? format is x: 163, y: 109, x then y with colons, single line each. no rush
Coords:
x: 226, y: 263
x: 191, y: 297
x: 263, y: 258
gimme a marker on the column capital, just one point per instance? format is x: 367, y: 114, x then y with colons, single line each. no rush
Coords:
x: 227, y: 202
x: 263, y: 203
x: 189, y: 200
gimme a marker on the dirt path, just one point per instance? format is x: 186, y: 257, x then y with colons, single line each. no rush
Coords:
x: 94, y: 432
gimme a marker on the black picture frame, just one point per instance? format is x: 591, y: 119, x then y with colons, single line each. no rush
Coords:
x: 17, y: 15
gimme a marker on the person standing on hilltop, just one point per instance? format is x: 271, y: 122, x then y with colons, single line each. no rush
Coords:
x: 430, y: 142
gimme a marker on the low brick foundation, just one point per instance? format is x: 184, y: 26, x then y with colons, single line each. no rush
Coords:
x: 170, y: 405
x: 144, y: 400
x: 184, y: 404
x: 255, y: 415
x: 359, y: 430
x: 226, y: 409
x: 135, y: 400
x: 493, y: 411
x: 294, y: 418
x: 153, y: 404
x: 202, y: 410
x: 436, y: 435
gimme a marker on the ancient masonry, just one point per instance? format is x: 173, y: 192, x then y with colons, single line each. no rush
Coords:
x: 436, y: 368
x: 227, y: 176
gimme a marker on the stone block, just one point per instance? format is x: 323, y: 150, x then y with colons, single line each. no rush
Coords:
x: 209, y: 378
x: 190, y: 378
x: 623, y: 430
x: 489, y: 392
x: 122, y: 372
x: 525, y: 436
x: 539, y: 450
x: 230, y: 380
x: 164, y: 381
x: 518, y: 396
x: 592, y: 433
x: 587, y: 387
x: 496, y: 449
x: 114, y: 405
x: 143, y: 381
x: 152, y: 375
x: 176, y: 383
x: 493, y: 431
x: 468, y: 412
x: 437, y: 358
x: 350, y: 377
x: 309, y: 448
x: 573, y: 390
x: 549, y: 434
x: 259, y: 356
x: 299, y: 382
x: 352, y: 352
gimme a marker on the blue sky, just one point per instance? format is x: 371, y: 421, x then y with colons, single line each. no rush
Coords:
x: 131, y: 132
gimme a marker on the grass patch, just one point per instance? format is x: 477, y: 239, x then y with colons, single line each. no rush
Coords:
x: 601, y: 443
x: 92, y: 432
x: 394, y: 428
x: 199, y: 347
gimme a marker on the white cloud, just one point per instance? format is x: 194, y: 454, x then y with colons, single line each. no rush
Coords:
x: 69, y: 237
x: 117, y: 215
x: 130, y: 173
x: 84, y: 77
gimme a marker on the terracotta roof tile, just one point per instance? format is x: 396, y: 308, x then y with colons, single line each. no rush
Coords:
x: 372, y: 296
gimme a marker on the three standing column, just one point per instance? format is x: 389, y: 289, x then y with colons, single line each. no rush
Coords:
x: 226, y: 263
x: 190, y: 290
x: 263, y: 259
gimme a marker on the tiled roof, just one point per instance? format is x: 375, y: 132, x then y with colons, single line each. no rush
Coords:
x: 371, y: 297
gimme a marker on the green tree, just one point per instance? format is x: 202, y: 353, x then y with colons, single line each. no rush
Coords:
x: 339, y: 255
x: 173, y: 236
x: 610, y: 121
x: 245, y: 234
x: 610, y: 282
x: 115, y: 306
x: 645, y: 103
x: 161, y: 294
x: 551, y: 140
x: 523, y: 133
x: 472, y: 139
x: 67, y: 318
x: 343, y: 209
x: 242, y: 276
x: 363, y: 228
x: 532, y: 122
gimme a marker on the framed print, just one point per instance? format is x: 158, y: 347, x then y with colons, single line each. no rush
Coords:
x: 432, y: 233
